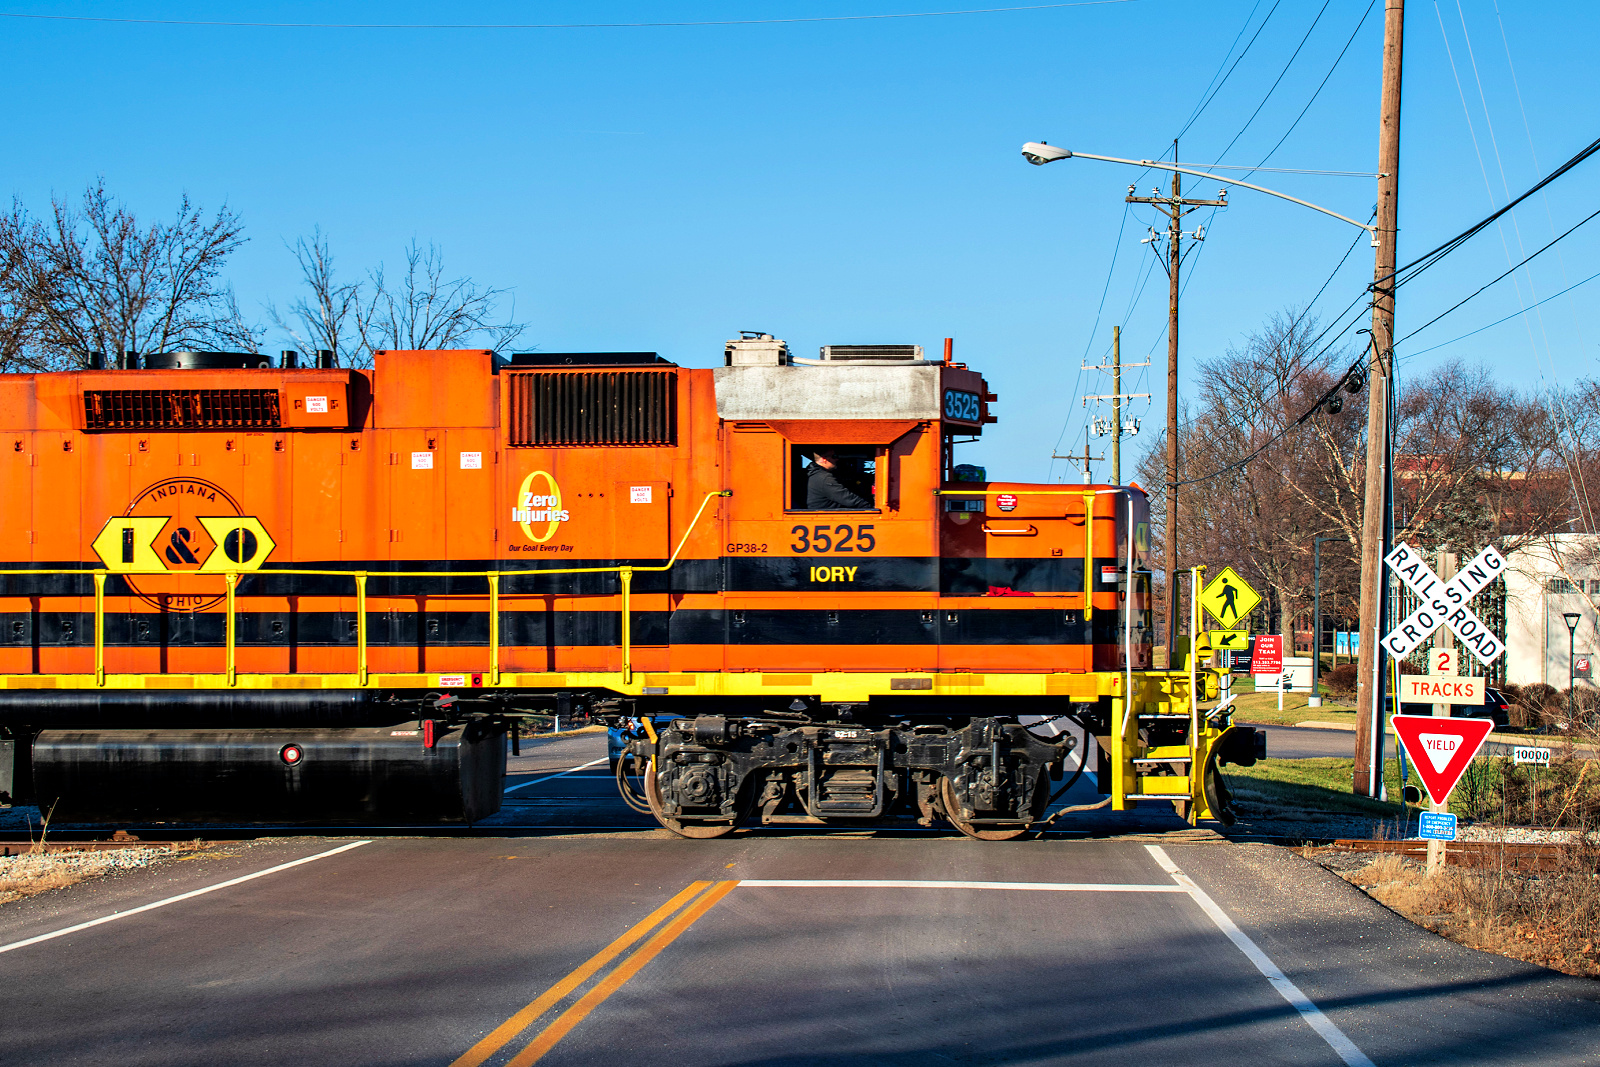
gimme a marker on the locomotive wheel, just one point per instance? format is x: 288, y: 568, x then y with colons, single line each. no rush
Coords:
x: 952, y: 804
x: 682, y: 827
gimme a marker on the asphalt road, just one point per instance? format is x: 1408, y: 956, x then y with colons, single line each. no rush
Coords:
x: 615, y: 944
x: 1304, y: 742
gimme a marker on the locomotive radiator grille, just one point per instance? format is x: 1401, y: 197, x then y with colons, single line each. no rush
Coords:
x: 575, y: 408
x: 180, y: 409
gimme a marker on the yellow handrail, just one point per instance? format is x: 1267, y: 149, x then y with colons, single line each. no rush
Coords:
x: 494, y: 629
x: 231, y: 578
x: 99, y: 630
x: 1088, y: 529
x: 361, y: 626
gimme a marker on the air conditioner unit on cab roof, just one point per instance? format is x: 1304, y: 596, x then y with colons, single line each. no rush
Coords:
x: 755, y: 349
x: 872, y: 353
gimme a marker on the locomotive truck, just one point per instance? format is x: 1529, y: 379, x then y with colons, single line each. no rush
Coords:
x: 233, y: 590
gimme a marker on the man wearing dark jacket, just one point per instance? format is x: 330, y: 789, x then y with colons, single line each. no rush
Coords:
x: 824, y: 490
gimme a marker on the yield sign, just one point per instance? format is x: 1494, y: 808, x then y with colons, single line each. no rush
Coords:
x: 1444, y: 603
x: 1441, y: 748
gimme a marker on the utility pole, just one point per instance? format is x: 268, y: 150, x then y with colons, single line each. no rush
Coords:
x: 1175, y: 207
x: 1085, y: 458
x: 1368, y: 776
x: 1116, y: 397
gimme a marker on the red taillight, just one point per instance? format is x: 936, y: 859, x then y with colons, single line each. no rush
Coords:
x: 291, y: 755
x: 427, y: 733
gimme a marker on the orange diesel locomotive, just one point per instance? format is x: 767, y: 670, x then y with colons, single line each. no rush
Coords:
x: 308, y: 594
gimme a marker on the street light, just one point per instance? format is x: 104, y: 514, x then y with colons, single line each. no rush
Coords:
x: 1039, y: 153
x: 1315, y: 700
x: 1572, y: 618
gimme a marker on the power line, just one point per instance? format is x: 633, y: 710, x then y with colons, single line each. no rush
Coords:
x: 1360, y: 23
x: 547, y: 25
x: 1089, y: 345
x: 1429, y: 258
x: 1208, y: 94
x: 1515, y: 314
x: 1273, y: 88
x: 1501, y: 277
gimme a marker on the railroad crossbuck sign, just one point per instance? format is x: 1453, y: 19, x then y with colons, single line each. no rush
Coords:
x: 1229, y: 598
x: 1444, y: 603
x: 1441, y: 748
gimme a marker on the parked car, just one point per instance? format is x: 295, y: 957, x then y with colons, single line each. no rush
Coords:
x: 1495, y: 706
x: 630, y: 729
x: 617, y: 738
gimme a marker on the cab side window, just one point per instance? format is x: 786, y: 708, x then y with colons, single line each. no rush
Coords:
x: 832, y: 477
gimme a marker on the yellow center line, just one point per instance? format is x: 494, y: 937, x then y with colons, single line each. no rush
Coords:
x: 497, y: 1038
x: 550, y: 1035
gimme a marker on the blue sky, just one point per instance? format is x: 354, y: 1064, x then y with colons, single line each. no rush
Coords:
x: 846, y: 181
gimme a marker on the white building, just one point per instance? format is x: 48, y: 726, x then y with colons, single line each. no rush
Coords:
x: 1545, y: 581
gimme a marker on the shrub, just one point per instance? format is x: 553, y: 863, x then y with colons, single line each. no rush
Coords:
x: 1341, y: 681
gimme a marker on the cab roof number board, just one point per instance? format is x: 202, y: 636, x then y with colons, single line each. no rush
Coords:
x: 962, y: 406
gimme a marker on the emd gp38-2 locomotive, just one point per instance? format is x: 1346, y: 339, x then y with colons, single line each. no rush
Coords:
x: 232, y: 590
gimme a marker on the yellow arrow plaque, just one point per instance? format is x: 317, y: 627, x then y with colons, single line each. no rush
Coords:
x: 1228, y: 640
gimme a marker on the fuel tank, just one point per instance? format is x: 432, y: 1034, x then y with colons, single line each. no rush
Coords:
x: 217, y: 709
x: 385, y: 775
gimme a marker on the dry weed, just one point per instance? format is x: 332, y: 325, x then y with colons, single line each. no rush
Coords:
x: 1550, y: 917
x: 37, y: 871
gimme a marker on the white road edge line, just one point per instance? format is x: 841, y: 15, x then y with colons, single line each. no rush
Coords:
x: 180, y: 897
x: 546, y: 778
x: 1325, y: 1028
x: 878, y: 883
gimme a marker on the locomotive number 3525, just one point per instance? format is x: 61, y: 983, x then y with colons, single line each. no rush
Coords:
x: 841, y: 538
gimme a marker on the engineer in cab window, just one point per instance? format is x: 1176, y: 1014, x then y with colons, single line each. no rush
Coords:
x: 830, y: 487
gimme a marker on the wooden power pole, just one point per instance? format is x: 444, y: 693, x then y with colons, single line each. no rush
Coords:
x: 1369, y: 712
x: 1175, y: 207
x: 1116, y: 405
x: 1116, y: 396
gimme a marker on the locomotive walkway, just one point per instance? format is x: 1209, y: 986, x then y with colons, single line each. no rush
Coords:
x: 615, y: 944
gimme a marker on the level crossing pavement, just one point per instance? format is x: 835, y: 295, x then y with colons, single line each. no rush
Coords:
x: 618, y: 943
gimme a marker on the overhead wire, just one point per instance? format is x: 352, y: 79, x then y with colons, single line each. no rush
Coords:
x: 1318, y: 92
x: 1274, y: 86
x: 1577, y: 323
x: 1209, y: 94
x: 551, y: 25
x: 1408, y: 272
x: 1515, y: 314
x: 1505, y: 274
x: 1116, y: 249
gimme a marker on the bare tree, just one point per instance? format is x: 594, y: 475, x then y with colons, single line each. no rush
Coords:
x: 326, y: 321
x: 18, y: 310
x: 421, y: 309
x: 95, y: 280
x: 1475, y: 462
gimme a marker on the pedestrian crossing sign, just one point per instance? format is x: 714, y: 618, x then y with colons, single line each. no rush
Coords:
x: 1228, y: 640
x: 1229, y: 598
